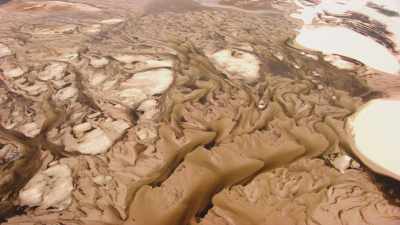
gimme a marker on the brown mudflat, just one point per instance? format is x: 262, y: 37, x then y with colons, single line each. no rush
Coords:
x: 173, y: 113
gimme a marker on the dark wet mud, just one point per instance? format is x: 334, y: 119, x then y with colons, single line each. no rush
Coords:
x: 176, y: 113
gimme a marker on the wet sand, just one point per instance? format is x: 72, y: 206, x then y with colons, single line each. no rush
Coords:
x: 178, y: 113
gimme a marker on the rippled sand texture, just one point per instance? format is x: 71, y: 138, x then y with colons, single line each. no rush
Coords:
x: 174, y: 117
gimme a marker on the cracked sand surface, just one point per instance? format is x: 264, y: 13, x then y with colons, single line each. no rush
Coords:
x: 119, y: 115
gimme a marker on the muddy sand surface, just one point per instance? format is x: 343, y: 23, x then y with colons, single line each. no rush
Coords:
x: 172, y: 112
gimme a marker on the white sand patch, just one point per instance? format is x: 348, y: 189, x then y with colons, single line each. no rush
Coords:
x: 144, y: 61
x: 49, y: 188
x: 216, y: 4
x: 311, y: 13
x: 307, y: 13
x: 130, y: 97
x: 54, y: 71
x: 99, y: 62
x: 4, y: 50
x: 127, y: 59
x: 237, y: 64
x: 149, y: 109
x: 341, y: 7
x: 95, y: 141
x: 339, y: 62
x: 342, y: 163
x: 13, y: 72
x: 53, y: 30
x: 66, y: 93
x: 151, y: 82
x: 346, y: 42
x: 375, y: 129
x: 30, y: 129
x: 91, y: 29
x: 112, y: 21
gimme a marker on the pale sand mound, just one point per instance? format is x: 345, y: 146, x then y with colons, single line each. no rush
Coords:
x: 346, y: 42
x: 376, y: 137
